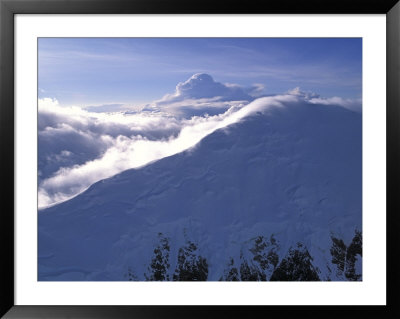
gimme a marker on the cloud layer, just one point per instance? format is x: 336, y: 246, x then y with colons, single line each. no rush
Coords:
x: 87, y: 135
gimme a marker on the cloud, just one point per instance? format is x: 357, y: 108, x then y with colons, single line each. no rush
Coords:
x: 200, y: 95
x: 88, y: 135
x: 106, y: 108
x: 313, y: 98
x: 351, y: 104
x: 257, y: 90
x: 202, y: 85
x: 188, y: 108
x: 306, y: 95
x: 51, y: 114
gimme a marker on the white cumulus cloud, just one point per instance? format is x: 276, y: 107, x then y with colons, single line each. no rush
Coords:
x: 201, y: 95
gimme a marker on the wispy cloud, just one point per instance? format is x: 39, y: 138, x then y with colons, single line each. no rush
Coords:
x: 351, y: 104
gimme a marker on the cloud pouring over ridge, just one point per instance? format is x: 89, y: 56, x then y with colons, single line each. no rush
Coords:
x: 78, y: 148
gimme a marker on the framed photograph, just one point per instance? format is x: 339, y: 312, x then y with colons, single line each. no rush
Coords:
x: 165, y: 158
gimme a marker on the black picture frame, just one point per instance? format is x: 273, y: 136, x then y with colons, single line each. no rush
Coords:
x: 8, y: 8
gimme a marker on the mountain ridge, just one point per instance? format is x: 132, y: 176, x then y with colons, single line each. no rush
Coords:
x: 292, y: 172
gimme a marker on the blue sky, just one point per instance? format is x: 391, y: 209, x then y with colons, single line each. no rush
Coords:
x: 96, y: 71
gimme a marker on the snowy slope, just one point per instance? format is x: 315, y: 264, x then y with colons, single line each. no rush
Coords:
x: 293, y: 172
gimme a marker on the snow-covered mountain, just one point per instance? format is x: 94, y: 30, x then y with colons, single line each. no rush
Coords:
x: 275, y: 196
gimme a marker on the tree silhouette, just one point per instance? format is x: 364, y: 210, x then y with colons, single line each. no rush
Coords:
x: 158, y: 269
x: 191, y: 266
x: 296, y: 266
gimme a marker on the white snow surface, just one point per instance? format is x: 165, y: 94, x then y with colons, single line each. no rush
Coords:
x: 292, y: 170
